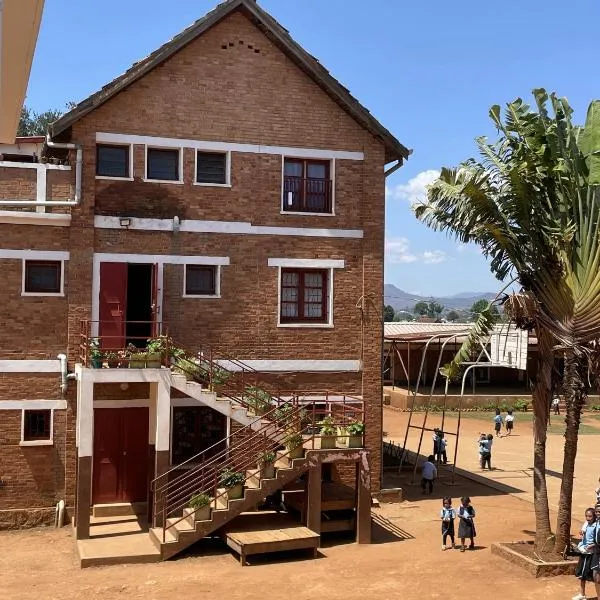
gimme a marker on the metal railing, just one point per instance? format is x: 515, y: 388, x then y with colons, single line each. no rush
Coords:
x: 305, y: 194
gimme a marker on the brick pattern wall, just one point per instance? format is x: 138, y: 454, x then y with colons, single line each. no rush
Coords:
x: 230, y: 85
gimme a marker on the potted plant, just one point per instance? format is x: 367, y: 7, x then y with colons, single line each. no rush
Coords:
x: 258, y: 400
x: 328, y: 432
x: 293, y: 443
x: 266, y: 463
x: 112, y: 359
x: 199, y: 506
x: 355, y: 431
x: 234, y: 482
x: 162, y: 346
x: 96, y: 355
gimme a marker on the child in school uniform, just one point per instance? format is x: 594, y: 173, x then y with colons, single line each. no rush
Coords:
x: 485, y: 451
x: 447, y: 514
x: 509, y: 422
x: 586, y: 549
x: 428, y: 474
x: 497, y: 422
x: 466, y: 526
x: 597, y: 492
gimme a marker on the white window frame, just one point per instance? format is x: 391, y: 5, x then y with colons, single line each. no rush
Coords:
x: 217, y: 293
x: 227, y: 154
x: 179, y: 149
x: 112, y: 178
x: 48, y: 442
x: 331, y: 175
x: 62, y: 277
x: 304, y: 325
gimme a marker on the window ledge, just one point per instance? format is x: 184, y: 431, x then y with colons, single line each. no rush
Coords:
x: 37, y: 443
x: 176, y: 182
x: 56, y: 295
x: 221, y: 185
x: 201, y: 296
x: 109, y: 178
x: 304, y: 325
x: 307, y: 214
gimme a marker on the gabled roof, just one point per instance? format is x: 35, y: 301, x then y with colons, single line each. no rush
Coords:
x: 279, y: 36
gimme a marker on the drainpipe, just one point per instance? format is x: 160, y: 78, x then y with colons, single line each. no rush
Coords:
x: 78, y: 170
x: 63, y: 373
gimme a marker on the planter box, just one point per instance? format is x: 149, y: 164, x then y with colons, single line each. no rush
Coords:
x: 235, y: 492
x: 297, y: 452
x: 268, y: 471
x: 328, y: 442
x: 96, y: 363
x: 145, y: 360
x: 202, y: 514
x: 537, y: 569
x: 355, y: 441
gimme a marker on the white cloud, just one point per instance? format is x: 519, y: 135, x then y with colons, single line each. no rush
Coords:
x: 434, y: 256
x: 414, y: 190
x: 397, y: 251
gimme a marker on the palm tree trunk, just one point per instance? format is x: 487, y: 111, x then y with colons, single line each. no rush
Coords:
x: 575, y: 396
x: 541, y: 395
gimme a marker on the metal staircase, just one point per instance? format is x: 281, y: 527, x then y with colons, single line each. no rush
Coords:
x: 175, y: 526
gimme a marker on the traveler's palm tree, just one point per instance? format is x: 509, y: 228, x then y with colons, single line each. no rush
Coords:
x: 532, y: 204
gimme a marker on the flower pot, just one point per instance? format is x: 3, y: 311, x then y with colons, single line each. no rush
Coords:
x: 235, y: 492
x: 328, y: 442
x: 96, y: 363
x: 268, y: 471
x: 203, y: 514
x: 297, y: 452
x: 145, y: 360
x: 355, y: 441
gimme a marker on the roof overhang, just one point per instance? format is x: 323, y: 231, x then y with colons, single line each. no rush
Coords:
x: 19, y: 27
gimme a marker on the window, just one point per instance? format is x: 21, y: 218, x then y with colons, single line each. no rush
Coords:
x: 162, y: 165
x: 304, y: 296
x: 196, y: 429
x: 212, y: 168
x: 37, y: 426
x: 307, y: 186
x: 112, y: 161
x: 201, y: 280
x: 43, y: 277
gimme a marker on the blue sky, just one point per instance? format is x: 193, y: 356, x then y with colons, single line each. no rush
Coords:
x: 429, y: 71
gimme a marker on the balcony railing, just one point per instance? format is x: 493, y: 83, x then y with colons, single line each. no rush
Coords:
x: 308, y: 195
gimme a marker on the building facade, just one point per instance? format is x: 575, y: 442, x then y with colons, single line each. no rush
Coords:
x: 226, y: 190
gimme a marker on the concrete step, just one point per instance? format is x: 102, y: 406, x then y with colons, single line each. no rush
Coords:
x: 253, y: 478
x: 119, y: 509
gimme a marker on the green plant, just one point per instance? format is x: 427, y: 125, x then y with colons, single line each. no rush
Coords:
x: 327, y: 425
x: 267, y: 458
x: 94, y: 349
x: 199, y: 501
x: 230, y: 478
x: 595, y: 407
x: 164, y: 344
x: 257, y: 399
x: 292, y: 440
x: 521, y: 405
x: 356, y: 428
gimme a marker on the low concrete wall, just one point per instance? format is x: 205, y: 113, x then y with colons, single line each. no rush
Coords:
x: 535, y: 568
x: 26, y: 518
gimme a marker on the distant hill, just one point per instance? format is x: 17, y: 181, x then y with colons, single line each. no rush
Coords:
x: 402, y: 300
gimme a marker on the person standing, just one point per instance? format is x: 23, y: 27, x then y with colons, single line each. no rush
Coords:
x: 485, y: 450
x: 556, y: 404
x: 466, y: 526
x: 498, y: 422
x: 448, y: 515
x: 586, y: 549
x: 509, y: 422
x: 595, y: 564
x: 443, y: 442
x: 428, y: 474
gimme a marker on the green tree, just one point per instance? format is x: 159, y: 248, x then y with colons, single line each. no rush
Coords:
x: 403, y: 315
x: 421, y: 308
x: 388, y: 313
x: 533, y: 205
x: 452, y: 316
x: 481, y: 305
x: 431, y: 309
x: 32, y: 123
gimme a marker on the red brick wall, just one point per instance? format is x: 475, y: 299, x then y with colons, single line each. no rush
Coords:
x: 234, y: 94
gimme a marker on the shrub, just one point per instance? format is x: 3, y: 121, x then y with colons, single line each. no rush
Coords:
x: 199, y: 501
x: 327, y: 426
x: 521, y: 405
x: 230, y: 478
x: 356, y: 428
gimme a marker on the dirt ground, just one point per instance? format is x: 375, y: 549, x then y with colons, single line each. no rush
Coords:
x: 405, y: 561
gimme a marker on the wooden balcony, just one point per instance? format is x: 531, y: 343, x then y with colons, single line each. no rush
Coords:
x: 307, y: 195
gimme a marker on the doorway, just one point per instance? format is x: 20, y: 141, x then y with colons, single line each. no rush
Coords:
x: 128, y: 304
x: 120, y: 463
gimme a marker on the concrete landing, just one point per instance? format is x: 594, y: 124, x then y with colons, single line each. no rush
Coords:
x: 117, y: 540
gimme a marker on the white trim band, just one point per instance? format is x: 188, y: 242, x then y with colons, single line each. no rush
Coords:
x: 231, y: 227
x: 33, y: 404
x: 165, y: 259
x: 34, y: 254
x: 30, y: 366
x: 145, y: 140
x: 306, y: 263
x: 273, y: 366
x: 19, y: 217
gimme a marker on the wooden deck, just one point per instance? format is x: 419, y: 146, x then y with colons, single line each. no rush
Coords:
x: 266, y: 532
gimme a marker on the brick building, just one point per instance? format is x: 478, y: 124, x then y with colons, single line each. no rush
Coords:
x: 227, y: 189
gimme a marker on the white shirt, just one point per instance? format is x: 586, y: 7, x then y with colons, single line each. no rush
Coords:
x: 428, y: 471
x: 509, y: 418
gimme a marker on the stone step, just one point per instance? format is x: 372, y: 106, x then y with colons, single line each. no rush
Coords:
x: 253, y: 478
x: 119, y: 509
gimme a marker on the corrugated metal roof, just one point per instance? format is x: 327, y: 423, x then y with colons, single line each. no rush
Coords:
x: 412, y: 329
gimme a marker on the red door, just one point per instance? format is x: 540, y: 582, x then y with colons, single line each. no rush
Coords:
x: 120, y: 455
x: 113, y: 305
